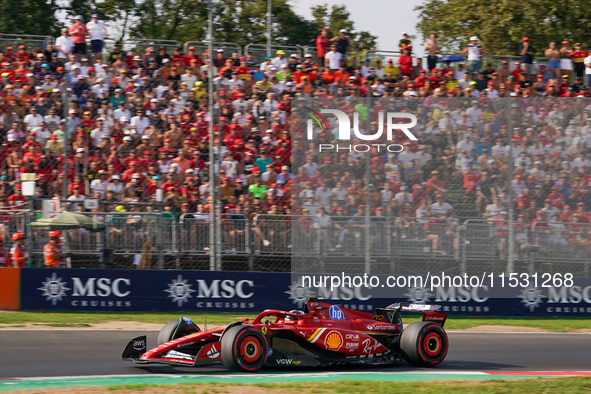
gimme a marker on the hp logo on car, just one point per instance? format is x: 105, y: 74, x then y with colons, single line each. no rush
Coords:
x: 336, y: 313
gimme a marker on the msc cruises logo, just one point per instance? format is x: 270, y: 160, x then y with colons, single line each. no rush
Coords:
x: 179, y: 290
x: 54, y: 289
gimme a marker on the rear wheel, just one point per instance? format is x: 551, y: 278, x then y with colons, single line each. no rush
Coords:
x: 424, y: 344
x: 244, y: 348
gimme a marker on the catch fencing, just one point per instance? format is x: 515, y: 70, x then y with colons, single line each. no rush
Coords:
x: 403, y: 245
x: 260, y: 51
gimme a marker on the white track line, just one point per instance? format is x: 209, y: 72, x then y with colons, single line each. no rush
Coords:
x: 282, y: 375
x: 275, y: 375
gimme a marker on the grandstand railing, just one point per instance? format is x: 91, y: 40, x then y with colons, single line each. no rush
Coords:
x: 473, y: 244
x: 202, y: 46
x: 142, y: 44
x: 30, y: 40
x: 260, y: 51
x: 561, y: 242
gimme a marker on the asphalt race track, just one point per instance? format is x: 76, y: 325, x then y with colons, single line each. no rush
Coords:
x: 47, y: 353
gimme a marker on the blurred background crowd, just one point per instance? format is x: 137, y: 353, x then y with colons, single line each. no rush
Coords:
x: 118, y: 126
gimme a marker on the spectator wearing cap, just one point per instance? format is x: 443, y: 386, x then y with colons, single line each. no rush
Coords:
x: 64, y: 45
x: 76, y: 195
x: 285, y: 175
x: 404, y: 196
x: 432, y: 50
x: 343, y: 43
x: 474, y: 51
x: 54, y: 145
x: 97, y: 32
x: 491, y: 91
x: 293, y: 62
x: 366, y: 67
x: 78, y: 31
x: 192, y: 59
x: 391, y: 69
x: 269, y: 176
x: 279, y: 59
x: 220, y: 60
x: 578, y: 56
x: 527, y: 52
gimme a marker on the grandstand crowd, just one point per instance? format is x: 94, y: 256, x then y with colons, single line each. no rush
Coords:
x: 138, y: 122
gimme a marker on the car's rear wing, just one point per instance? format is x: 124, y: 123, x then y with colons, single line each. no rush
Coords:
x: 392, y: 312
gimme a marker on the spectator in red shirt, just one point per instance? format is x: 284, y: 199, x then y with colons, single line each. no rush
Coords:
x: 79, y: 32
x: 322, y: 45
x: 17, y: 198
x: 405, y: 63
x: 566, y: 215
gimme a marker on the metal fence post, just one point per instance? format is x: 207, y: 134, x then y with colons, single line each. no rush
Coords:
x: 160, y: 240
x: 510, y: 244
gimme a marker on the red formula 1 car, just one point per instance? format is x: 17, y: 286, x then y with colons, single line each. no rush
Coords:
x: 321, y: 335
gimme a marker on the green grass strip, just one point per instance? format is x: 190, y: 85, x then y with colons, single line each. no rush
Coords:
x: 321, y: 383
x: 85, y: 319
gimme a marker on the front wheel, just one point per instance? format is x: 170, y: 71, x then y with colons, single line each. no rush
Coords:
x: 244, y: 348
x: 167, y: 332
x: 424, y: 344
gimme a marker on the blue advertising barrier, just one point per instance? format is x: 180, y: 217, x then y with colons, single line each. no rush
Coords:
x: 138, y: 290
x: 253, y: 292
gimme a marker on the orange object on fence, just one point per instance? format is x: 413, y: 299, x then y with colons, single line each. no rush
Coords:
x: 10, y: 283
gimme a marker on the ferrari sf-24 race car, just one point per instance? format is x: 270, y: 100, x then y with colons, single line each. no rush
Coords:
x: 320, y: 335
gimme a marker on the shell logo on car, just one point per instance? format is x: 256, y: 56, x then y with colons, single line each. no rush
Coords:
x: 333, y: 341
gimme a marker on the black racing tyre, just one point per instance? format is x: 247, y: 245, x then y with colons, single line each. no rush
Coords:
x: 424, y: 344
x: 167, y: 332
x: 244, y: 349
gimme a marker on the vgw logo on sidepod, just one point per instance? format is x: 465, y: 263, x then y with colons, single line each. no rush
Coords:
x: 345, y: 128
